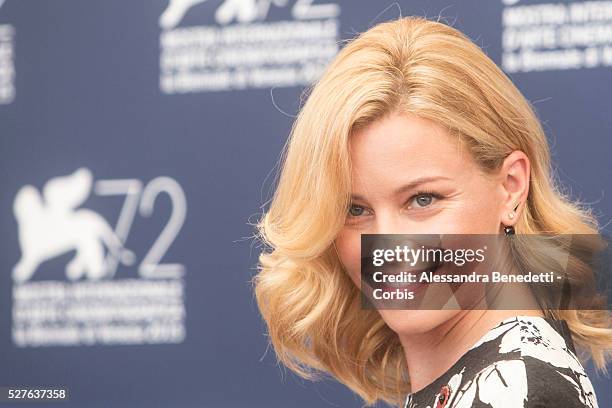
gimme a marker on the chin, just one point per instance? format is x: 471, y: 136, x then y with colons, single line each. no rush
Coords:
x: 414, y: 322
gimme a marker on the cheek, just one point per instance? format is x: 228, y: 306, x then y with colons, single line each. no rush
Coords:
x: 475, y: 212
x: 481, y: 216
x: 348, y: 244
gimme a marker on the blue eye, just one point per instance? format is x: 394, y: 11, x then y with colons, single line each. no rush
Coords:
x: 355, y: 213
x: 424, y: 199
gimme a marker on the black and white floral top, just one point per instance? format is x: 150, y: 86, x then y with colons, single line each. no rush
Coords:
x: 525, y: 361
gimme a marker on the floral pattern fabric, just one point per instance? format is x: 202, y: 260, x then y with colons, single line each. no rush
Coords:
x: 525, y: 361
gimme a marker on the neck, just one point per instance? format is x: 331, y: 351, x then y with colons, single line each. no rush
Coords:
x: 431, y: 354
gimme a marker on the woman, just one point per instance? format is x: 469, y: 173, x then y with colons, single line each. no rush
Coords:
x: 413, y: 129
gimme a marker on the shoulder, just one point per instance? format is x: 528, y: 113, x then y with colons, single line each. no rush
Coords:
x: 527, y: 363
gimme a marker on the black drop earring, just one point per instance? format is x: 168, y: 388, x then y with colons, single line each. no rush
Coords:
x: 508, y: 230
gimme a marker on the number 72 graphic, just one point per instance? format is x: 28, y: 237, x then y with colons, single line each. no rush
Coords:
x: 141, y: 199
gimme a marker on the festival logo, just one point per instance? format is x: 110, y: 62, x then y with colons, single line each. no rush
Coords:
x: 241, y: 48
x: 88, y: 303
x: 556, y: 36
x: 7, y: 61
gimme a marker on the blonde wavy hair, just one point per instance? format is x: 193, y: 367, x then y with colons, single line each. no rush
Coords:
x: 312, y: 309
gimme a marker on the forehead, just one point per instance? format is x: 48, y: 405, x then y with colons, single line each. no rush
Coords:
x: 400, y: 148
x: 408, y: 144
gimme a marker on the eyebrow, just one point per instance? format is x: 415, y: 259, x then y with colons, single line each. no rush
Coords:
x: 408, y: 186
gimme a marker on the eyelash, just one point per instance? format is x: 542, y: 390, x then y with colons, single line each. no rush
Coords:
x: 432, y: 194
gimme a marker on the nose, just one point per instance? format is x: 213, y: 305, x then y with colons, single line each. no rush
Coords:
x: 389, y: 222
x: 401, y: 231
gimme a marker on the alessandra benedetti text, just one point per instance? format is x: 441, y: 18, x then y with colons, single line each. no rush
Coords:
x: 432, y: 277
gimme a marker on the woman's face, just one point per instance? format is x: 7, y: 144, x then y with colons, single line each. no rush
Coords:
x: 410, y: 176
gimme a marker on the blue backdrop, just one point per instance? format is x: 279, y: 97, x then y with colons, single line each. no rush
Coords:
x: 139, y: 140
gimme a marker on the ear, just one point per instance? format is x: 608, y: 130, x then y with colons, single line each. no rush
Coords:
x: 514, y: 174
